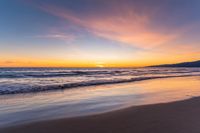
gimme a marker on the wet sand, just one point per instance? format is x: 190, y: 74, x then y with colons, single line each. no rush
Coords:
x: 175, y: 117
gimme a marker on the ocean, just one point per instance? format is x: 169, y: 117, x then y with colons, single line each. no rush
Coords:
x: 34, y: 94
x: 26, y: 80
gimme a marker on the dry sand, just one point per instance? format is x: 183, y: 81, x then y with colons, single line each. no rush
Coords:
x: 175, y: 117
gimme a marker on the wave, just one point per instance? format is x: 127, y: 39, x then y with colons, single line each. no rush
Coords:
x: 58, y: 74
x: 78, y: 73
x: 81, y: 84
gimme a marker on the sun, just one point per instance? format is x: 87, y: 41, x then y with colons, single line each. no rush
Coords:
x: 100, y: 64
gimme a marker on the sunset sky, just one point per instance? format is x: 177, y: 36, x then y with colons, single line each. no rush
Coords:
x: 98, y: 33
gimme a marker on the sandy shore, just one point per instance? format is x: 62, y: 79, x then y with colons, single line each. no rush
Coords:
x: 176, y: 117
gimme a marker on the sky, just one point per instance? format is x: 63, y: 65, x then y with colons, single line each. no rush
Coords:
x: 98, y: 33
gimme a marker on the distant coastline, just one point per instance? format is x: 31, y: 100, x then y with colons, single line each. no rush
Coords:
x: 184, y: 64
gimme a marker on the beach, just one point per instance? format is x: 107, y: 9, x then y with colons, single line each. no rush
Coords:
x: 175, y: 117
x: 22, y: 109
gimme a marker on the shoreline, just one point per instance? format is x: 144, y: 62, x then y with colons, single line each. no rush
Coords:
x: 100, y: 100
x: 87, y: 84
x: 174, y: 117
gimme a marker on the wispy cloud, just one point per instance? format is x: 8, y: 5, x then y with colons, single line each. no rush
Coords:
x: 57, y: 36
x: 125, y: 26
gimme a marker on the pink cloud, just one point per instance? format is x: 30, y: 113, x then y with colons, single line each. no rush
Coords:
x: 125, y: 26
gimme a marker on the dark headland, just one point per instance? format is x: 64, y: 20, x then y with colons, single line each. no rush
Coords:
x: 184, y: 64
